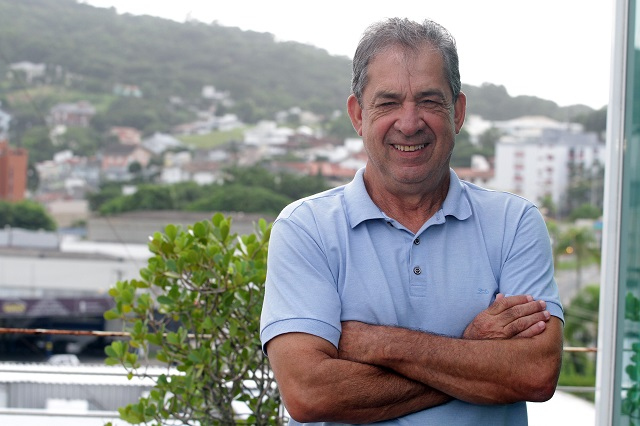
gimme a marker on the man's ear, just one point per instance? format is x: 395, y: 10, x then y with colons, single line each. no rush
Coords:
x: 459, y: 111
x: 355, y: 114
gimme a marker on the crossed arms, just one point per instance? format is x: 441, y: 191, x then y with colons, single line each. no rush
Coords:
x: 510, y: 352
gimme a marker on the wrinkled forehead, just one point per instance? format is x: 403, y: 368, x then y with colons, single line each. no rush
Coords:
x: 423, y: 64
x: 408, y: 53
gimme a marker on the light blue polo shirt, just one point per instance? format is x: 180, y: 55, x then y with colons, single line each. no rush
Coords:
x: 336, y: 256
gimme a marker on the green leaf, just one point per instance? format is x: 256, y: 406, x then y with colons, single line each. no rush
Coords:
x: 199, y: 230
x: 207, y: 324
x: 112, y: 361
x: 171, y: 231
x: 224, y: 230
x: 111, y: 315
x: 165, y: 300
x: 217, y: 218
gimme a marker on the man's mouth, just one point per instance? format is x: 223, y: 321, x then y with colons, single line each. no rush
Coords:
x: 409, y: 148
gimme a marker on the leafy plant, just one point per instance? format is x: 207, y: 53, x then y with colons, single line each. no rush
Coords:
x: 631, y: 401
x: 196, y: 309
x: 581, y: 328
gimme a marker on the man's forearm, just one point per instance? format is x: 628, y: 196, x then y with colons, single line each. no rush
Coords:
x: 477, y: 371
x: 360, y: 393
x: 322, y: 387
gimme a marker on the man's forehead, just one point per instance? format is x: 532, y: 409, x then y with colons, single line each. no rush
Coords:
x: 403, y: 53
x: 398, y: 69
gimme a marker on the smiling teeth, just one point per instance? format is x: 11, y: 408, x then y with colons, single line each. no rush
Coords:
x: 408, y: 148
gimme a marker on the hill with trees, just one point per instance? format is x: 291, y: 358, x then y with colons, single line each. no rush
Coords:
x: 89, y: 50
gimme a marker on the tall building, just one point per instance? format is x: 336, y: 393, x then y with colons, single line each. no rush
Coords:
x: 618, y: 378
x: 543, y: 160
x: 13, y: 172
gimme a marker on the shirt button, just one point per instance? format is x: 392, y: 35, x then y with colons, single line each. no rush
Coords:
x: 417, y: 270
x: 416, y: 241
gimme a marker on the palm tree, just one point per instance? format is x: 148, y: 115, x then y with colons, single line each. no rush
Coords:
x: 579, y: 242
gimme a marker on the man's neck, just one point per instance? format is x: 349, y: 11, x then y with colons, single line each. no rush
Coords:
x: 411, y: 206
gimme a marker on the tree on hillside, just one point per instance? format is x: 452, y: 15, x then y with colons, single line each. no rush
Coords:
x: 25, y: 214
x: 40, y: 146
x: 463, y: 150
x: 594, y: 121
x: 240, y: 198
x: 340, y: 127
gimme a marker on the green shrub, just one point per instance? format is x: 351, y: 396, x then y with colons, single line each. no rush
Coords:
x: 197, y: 309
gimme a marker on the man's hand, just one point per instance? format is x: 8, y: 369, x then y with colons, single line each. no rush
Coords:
x: 507, y: 317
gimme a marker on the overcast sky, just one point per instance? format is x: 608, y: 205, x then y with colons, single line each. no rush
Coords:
x: 554, y: 49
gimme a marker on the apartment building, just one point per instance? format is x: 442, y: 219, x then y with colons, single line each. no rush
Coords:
x: 13, y: 172
x: 542, y: 161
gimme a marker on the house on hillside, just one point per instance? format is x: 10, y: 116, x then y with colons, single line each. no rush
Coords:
x: 208, y: 123
x: 480, y: 173
x: 267, y: 133
x: 29, y: 70
x: 161, y: 142
x: 127, y: 135
x: 77, y: 114
x: 5, y: 119
x: 68, y: 175
x: 127, y: 90
x: 204, y: 168
x: 116, y: 160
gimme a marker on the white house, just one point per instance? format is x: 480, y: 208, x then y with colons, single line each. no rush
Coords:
x: 267, y: 133
x: 160, y: 142
x: 5, y: 119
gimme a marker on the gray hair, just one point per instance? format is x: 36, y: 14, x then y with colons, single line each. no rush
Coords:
x: 409, y: 35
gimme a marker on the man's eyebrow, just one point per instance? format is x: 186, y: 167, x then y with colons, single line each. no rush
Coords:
x: 385, y: 94
x: 431, y: 93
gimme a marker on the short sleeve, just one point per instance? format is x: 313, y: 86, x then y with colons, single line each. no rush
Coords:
x: 301, y: 292
x: 528, y: 266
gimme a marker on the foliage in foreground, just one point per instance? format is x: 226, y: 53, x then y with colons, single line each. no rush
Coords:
x: 631, y: 401
x: 581, y: 330
x: 196, y: 309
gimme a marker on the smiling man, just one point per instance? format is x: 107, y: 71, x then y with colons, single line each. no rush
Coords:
x: 409, y: 296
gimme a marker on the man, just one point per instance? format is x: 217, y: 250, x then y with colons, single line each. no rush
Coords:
x: 409, y: 296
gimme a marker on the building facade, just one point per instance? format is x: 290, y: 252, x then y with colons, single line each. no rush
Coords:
x: 618, y: 377
x: 13, y: 172
x: 543, y: 162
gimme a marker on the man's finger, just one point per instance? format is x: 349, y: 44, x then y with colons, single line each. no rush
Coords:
x: 534, y: 330
x: 503, y: 303
x: 522, y: 324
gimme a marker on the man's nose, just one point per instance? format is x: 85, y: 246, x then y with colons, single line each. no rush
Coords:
x: 409, y: 120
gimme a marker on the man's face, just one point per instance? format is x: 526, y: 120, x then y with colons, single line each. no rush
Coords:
x: 408, y: 119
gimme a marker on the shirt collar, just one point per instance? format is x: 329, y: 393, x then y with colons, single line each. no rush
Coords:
x: 360, y: 206
x: 456, y: 204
